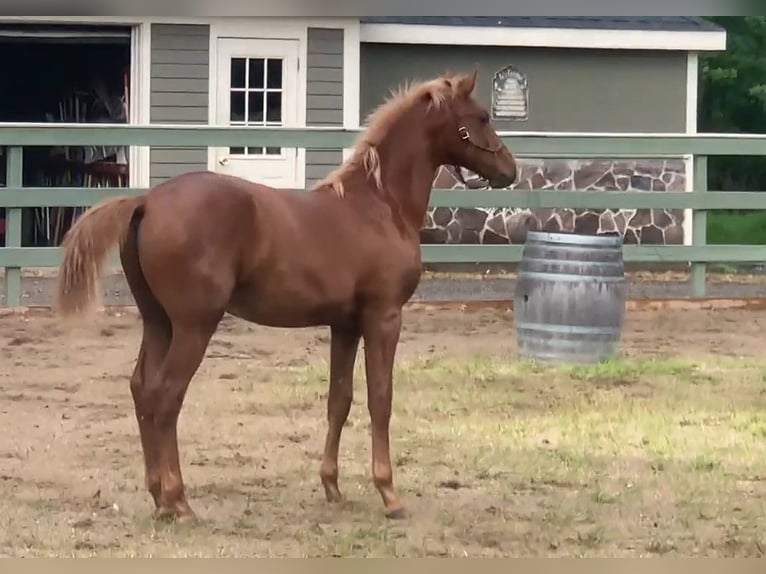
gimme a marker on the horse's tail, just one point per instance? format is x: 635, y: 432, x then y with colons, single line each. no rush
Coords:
x: 86, y: 246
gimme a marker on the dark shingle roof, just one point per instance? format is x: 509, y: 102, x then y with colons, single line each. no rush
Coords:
x: 668, y: 23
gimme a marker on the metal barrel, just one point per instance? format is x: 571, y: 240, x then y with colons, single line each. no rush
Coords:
x: 569, y: 300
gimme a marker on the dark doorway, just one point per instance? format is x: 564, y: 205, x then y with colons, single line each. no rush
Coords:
x: 72, y: 74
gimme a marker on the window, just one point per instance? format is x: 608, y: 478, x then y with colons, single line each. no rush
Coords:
x: 256, y: 97
x: 510, y: 95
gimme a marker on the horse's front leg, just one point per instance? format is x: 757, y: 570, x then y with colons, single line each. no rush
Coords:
x: 381, y: 329
x: 343, y: 349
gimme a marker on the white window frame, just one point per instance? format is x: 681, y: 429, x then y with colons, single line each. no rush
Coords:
x: 247, y: 90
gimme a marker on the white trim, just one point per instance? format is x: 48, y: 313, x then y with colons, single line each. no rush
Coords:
x: 351, y: 75
x: 352, y: 97
x: 707, y: 40
x: 212, y: 77
x: 692, y: 86
x: 692, y: 79
x: 60, y: 34
x: 134, y: 114
x: 140, y: 156
x: 302, y: 97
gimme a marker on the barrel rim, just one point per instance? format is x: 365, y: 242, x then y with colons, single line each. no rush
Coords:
x: 572, y: 238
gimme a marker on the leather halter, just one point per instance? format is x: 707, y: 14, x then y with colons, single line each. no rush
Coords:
x: 466, y: 137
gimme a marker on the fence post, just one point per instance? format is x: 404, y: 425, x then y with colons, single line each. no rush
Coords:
x: 14, y: 172
x: 699, y: 225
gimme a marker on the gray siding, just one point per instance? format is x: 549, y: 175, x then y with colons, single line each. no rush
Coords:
x: 569, y: 90
x: 324, y: 99
x: 179, y: 92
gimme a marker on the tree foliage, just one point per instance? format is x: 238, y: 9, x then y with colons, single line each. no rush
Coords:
x: 732, y: 99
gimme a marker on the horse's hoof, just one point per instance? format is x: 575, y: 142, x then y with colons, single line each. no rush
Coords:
x: 398, y: 513
x: 186, y: 518
x: 334, y: 497
x: 171, y: 515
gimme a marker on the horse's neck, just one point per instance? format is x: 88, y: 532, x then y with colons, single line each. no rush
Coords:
x: 407, y: 174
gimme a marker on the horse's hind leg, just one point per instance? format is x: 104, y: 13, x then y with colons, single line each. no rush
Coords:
x: 187, y: 349
x: 154, y: 346
x: 155, y: 342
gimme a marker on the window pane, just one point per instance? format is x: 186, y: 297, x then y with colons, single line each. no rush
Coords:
x: 237, y: 72
x: 274, y: 76
x: 237, y: 150
x: 237, y: 109
x: 255, y: 104
x: 273, y: 150
x: 274, y: 107
x: 256, y: 73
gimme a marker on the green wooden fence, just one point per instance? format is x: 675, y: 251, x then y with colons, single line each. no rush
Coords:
x: 14, y: 137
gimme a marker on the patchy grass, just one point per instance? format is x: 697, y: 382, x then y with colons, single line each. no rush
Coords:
x: 627, y: 456
x: 736, y: 228
x: 494, y: 456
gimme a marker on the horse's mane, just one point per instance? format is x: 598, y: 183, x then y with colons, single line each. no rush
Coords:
x: 379, y: 121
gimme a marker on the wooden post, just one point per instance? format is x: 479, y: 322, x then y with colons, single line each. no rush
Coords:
x: 14, y: 171
x: 699, y: 226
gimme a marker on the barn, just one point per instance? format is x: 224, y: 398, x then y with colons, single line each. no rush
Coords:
x: 552, y: 74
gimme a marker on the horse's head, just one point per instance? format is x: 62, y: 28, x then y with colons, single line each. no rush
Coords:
x: 467, y: 137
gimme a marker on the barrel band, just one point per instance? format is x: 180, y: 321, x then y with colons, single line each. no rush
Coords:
x: 556, y: 277
x: 574, y: 239
x: 569, y: 329
x: 571, y: 248
x: 548, y: 261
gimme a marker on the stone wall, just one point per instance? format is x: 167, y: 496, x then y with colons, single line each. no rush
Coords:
x: 509, y: 226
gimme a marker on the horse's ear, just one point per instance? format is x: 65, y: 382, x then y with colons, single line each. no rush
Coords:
x: 430, y: 98
x: 468, y: 83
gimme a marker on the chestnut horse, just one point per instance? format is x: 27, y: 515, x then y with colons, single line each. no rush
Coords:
x: 345, y: 255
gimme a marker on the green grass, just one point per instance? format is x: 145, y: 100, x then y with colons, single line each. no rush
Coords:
x: 736, y: 228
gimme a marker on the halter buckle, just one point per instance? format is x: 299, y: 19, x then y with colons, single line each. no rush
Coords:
x: 464, y: 135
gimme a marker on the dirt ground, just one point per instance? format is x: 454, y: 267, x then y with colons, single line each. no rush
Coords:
x: 662, y: 451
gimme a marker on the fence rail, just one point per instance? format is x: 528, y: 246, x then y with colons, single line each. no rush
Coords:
x: 14, y: 197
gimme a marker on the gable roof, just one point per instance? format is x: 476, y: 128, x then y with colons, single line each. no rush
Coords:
x: 666, y: 23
